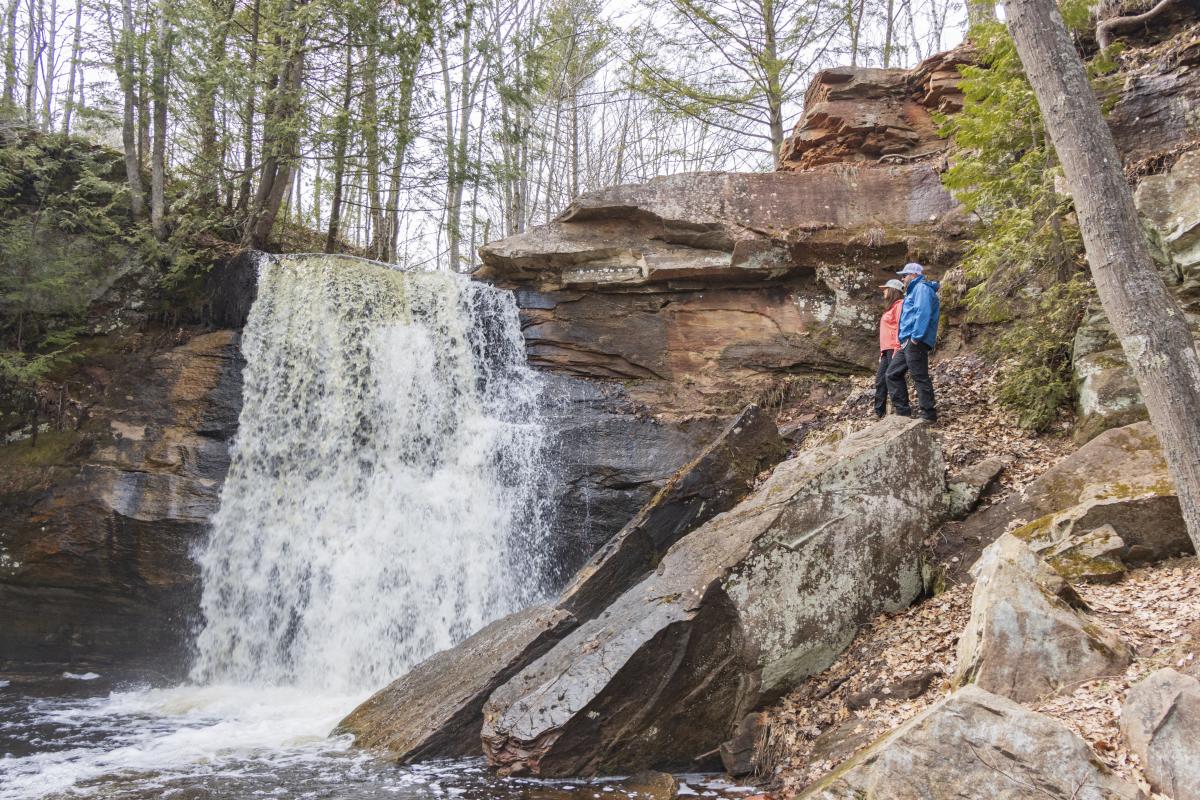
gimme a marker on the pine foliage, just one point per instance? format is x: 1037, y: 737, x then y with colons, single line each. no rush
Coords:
x: 1025, y: 267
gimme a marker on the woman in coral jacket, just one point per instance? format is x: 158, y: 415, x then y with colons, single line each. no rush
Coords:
x: 889, y: 340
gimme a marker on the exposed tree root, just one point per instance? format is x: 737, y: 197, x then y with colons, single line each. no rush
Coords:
x: 1109, y: 29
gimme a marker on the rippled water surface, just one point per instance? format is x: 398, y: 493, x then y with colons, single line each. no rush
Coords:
x: 73, y: 738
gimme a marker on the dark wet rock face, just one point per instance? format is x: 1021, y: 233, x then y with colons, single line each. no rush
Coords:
x: 96, y: 524
x: 736, y: 613
x: 609, y: 458
x: 720, y: 476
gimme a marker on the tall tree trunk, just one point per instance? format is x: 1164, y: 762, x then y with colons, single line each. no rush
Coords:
x: 210, y: 157
x: 370, y: 120
x: 400, y: 156
x: 126, y: 61
x: 158, y: 157
x: 31, y: 62
x: 50, y: 47
x: 69, y: 106
x: 143, y: 91
x: 243, y: 203
x: 1151, y: 327
x: 889, y: 33
x: 980, y: 11
x: 771, y: 68
x: 281, y: 145
x: 340, y: 136
x: 10, y: 56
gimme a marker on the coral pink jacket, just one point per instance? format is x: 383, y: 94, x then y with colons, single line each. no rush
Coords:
x: 889, y: 327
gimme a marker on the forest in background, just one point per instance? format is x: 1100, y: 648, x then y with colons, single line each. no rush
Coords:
x: 415, y: 131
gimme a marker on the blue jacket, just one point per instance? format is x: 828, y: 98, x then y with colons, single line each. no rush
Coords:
x: 919, y: 315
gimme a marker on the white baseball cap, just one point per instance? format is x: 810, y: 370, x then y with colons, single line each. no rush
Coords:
x: 912, y: 268
x: 893, y: 284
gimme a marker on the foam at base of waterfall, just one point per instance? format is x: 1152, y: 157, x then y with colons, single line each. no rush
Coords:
x: 384, y: 498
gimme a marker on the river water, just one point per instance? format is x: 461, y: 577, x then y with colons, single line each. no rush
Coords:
x: 68, y: 738
x: 387, y: 497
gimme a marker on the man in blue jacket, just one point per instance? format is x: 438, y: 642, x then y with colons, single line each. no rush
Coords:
x: 918, y: 335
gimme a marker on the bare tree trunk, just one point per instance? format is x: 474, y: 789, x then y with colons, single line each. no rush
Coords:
x: 889, y: 33
x: 133, y: 172
x: 32, y: 56
x: 158, y: 157
x: 69, y: 106
x: 771, y: 65
x: 243, y: 203
x: 281, y: 144
x: 341, y: 135
x: 210, y: 157
x: 50, y: 47
x: 1153, y: 330
x: 980, y: 11
x: 400, y: 157
x: 143, y: 95
x: 10, y: 56
x: 1107, y: 30
x: 370, y: 120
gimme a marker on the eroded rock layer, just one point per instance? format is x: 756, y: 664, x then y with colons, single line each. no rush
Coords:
x: 698, y: 290
x: 95, y: 564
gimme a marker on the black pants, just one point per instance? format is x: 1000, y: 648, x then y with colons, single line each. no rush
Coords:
x: 881, y: 390
x: 913, y: 358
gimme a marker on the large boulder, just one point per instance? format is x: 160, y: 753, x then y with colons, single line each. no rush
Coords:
x: 1028, y: 636
x: 1161, y: 722
x: 1120, y: 464
x: 716, y: 480
x: 435, y: 710
x: 974, y: 744
x: 737, y: 613
x: 1147, y: 519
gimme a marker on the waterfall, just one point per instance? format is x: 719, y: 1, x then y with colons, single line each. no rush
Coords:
x: 384, y: 498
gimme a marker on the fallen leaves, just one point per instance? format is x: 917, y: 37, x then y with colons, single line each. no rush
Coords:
x: 880, y: 674
x: 1156, y: 611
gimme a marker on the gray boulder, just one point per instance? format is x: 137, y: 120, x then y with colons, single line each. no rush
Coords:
x: 720, y: 476
x: 1161, y: 723
x: 1028, y: 635
x: 737, y: 613
x: 1146, y: 519
x: 974, y: 744
x: 966, y: 487
x: 434, y: 710
x: 1119, y: 464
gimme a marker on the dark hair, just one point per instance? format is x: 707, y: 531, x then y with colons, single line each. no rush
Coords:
x: 890, y: 296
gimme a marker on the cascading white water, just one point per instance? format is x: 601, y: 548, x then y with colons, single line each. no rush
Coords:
x: 384, y: 498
